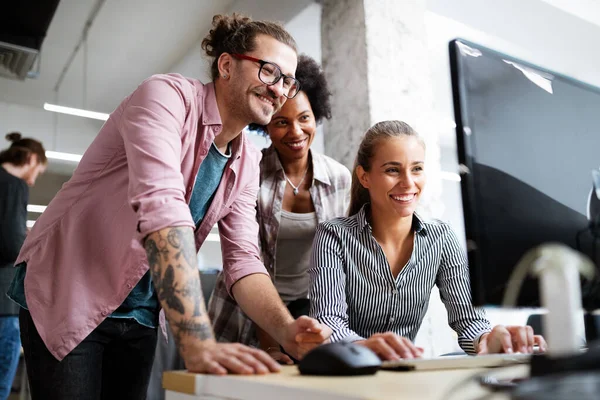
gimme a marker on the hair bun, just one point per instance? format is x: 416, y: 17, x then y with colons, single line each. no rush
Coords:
x: 13, y: 136
x: 223, y: 28
x: 236, y: 33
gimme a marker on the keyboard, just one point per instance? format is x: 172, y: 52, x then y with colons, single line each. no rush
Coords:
x: 457, y: 362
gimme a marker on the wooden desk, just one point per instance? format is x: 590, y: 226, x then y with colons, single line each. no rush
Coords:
x: 289, y: 384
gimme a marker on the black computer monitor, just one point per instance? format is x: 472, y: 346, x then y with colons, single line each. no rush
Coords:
x: 528, y: 140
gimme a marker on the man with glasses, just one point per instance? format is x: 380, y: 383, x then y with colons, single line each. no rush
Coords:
x: 120, y: 239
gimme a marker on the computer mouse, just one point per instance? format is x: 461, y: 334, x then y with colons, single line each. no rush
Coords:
x: 341, y: 359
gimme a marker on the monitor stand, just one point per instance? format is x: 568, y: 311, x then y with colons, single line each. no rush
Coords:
x: 558, y: 268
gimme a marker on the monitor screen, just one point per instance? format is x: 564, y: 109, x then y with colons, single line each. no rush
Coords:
x: 528, y: 140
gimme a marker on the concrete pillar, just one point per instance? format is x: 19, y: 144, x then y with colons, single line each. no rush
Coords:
x: 376, y: 61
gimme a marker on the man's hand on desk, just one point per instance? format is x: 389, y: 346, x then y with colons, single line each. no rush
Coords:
x: 510, y: 339
x: 390, y: 346
x: 303, y: 335
x: 222, y: 358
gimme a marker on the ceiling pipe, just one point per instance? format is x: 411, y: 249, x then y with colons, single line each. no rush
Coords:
x: 82, y: 40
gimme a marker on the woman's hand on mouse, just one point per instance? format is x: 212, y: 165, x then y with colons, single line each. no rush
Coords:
x: 390, y: 346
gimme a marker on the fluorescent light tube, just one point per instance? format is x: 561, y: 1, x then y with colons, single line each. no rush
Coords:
x: 63, y: 156
x: 34, y: 208
x: 75, y: 111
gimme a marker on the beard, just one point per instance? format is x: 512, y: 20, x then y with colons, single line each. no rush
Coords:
x: 260, y: 109
x: 251, y: 108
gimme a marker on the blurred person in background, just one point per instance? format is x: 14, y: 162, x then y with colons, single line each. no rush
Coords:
x: 20, y: 165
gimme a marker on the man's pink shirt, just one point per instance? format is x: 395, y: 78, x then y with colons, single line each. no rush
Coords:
x: 85, y: 252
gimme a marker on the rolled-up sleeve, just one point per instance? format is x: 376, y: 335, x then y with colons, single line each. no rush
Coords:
x: 151, y: 125
x: 327, y: 291
x: 239, y: 237
x: 455, y: 291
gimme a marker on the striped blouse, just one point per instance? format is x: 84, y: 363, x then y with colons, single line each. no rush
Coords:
x: 353, y: 291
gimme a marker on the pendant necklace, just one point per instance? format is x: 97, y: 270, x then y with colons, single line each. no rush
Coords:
x: 296, y: 188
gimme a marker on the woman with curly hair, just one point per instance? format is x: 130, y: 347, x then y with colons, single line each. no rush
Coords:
x: 299, y: 188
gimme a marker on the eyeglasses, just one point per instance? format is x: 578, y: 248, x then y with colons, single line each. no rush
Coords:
x: 270, y: 73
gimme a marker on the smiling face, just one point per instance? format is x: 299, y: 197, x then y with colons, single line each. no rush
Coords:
x: 293, y: 128
x: 253, y: 100
x: 396, y: 176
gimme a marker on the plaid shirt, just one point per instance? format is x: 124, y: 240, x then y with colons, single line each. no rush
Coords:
x: 330, y: 194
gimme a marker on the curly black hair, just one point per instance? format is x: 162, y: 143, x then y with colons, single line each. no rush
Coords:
x: 314, y: 85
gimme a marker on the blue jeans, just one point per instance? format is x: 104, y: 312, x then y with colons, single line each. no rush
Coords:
x: 112, y: 363
x: 10, y: 349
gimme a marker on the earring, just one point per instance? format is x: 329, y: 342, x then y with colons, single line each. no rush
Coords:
x: 225, y: 76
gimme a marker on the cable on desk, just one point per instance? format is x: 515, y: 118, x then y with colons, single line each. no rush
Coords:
x: 484, y: 380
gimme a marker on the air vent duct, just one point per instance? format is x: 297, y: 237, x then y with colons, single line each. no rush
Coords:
x: 23, y: 28
x: 16, y: 61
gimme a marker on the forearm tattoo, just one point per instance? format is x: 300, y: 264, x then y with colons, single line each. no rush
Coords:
x: 173, y: 265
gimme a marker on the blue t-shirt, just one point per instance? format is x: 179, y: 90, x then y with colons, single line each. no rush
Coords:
x: 142, y: 303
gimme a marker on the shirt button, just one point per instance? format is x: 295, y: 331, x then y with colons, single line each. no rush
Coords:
x: 104, y: 313
x: 395, y: 291
x: 204, y: 152
x: 392, y: 319
x: 129, y: 286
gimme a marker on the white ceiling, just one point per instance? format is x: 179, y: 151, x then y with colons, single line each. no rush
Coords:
x: 128, y: 41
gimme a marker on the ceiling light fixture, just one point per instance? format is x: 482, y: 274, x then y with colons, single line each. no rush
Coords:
x: 76, y: 111
x: 57, y: 155
x: 82, y: 43
x: 35, y: 208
